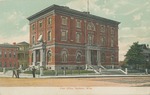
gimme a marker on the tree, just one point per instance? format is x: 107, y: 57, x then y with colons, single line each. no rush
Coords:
x: 134, y: 56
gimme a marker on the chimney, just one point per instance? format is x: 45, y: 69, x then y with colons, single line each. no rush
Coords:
x: 14, y: 43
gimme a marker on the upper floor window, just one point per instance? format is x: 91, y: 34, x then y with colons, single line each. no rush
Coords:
x: 49, y: 20
x: 112, y: 31
x: 64, y: 20
x: 5, y: 54
x: 64, y: 56
x: 0, y: 53
x: 40, y: 24
x: 102, y: 28
x: 14, y: 54
x: 90, y: 39
x: 78, y: 37
x: 10, y: 54
x: 112, y: 42
x: 49, y: 36
x: 91, y: 26
x: 64, y: 34
x: 33, y: 26
x: 78, y: 23
x: 103, y: 41
x: 78, y: 57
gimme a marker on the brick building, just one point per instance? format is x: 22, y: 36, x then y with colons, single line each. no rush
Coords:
x: 61, y: 37
x: 8, y: 55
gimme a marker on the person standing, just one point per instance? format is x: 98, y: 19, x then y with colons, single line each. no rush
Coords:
x: 33, y: 71
x: 14, y: 73
x: 18, y: 71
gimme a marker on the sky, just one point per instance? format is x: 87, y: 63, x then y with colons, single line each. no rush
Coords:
x: 134, y: 16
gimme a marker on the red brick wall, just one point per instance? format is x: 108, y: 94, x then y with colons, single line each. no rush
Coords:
x: 9, y: 60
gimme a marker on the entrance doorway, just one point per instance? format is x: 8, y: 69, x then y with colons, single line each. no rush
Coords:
x: 93, y: 57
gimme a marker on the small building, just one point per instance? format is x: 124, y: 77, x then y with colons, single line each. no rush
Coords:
x: 146, y: 52
x: 64, y: 38
x: 23, y: 54
x: 8, y: 55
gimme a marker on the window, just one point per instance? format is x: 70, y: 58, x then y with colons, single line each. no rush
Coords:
x: 64, y: 20
x: 40, y: 24
x: 112, y: 31
x: 112, y: 58
x: 102, y: 28
x: 33, y: 39
x: 78, y: 57
x: 49, y: 36
x: 78, y: 23
x: 10, y: 65
x: 103, y: 41
x: 33, y: 26
x: 64, y: 56
x: 103, y: 57
x: 14, y: 54
x: 90, y: 38
x: 78, y: 37
x: 0, y: 64
x: 5, y: 65
x: 10, y: 54
x: 91, y: 26
x: 64, y: 35
x: 49, y: 20
x: 0, y: 53
x: 5, y: 54
x: 49, y: 56
x: 14, y: 64
x: 112, y: 42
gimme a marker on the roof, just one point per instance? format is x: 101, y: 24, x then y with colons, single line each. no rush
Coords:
x: 68, y: 10
x: 7, y: 45
x: 23, y: 43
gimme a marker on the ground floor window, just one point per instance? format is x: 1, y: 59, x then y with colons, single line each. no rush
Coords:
x: 78, y: 57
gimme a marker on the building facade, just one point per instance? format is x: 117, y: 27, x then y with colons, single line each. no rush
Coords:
x: 8, y: 56
x: 63, y: 38
x: 23, y: 54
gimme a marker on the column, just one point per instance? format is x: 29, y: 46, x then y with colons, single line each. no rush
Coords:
x: 88, y: 57
x: 41, y: 57
x: 98, y: 58
x: 34, y: 57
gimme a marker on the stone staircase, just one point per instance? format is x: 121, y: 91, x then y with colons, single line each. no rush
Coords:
x: 103, y: 71
x: 113, y: 72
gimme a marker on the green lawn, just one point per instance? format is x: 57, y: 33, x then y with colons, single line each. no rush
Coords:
x: 62, y: 72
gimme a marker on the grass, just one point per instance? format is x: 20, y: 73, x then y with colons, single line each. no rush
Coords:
x: 62, y: 72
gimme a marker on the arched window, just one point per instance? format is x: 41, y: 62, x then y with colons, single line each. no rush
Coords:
x: 112, y: 42
x: 0, y: 53
x: 49, y: 56
x: 91, y: 26
x: 103, y: 57
x: 14, y: 54
x: 103, y: 41
x: 49, y: 36
x: 5, y: 54
x: 9, y: 53
x: 78, y: 37
x: 78, y: 57
x: 64, y: 56
x: 102, y: 28
x: 90, y: 38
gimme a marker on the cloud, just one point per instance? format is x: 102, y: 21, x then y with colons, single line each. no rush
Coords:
x: 137, y: 17
x: 25, y: 28
x: 129, y: 35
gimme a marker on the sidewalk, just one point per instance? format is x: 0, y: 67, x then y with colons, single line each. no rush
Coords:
x: 22, y: 75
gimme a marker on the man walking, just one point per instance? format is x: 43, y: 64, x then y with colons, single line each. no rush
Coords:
x: 33, y: 71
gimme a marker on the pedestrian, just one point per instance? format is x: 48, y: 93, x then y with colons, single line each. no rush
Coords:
x: 14, y: 73
x: 18, y: 71
x: 33, y: 71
